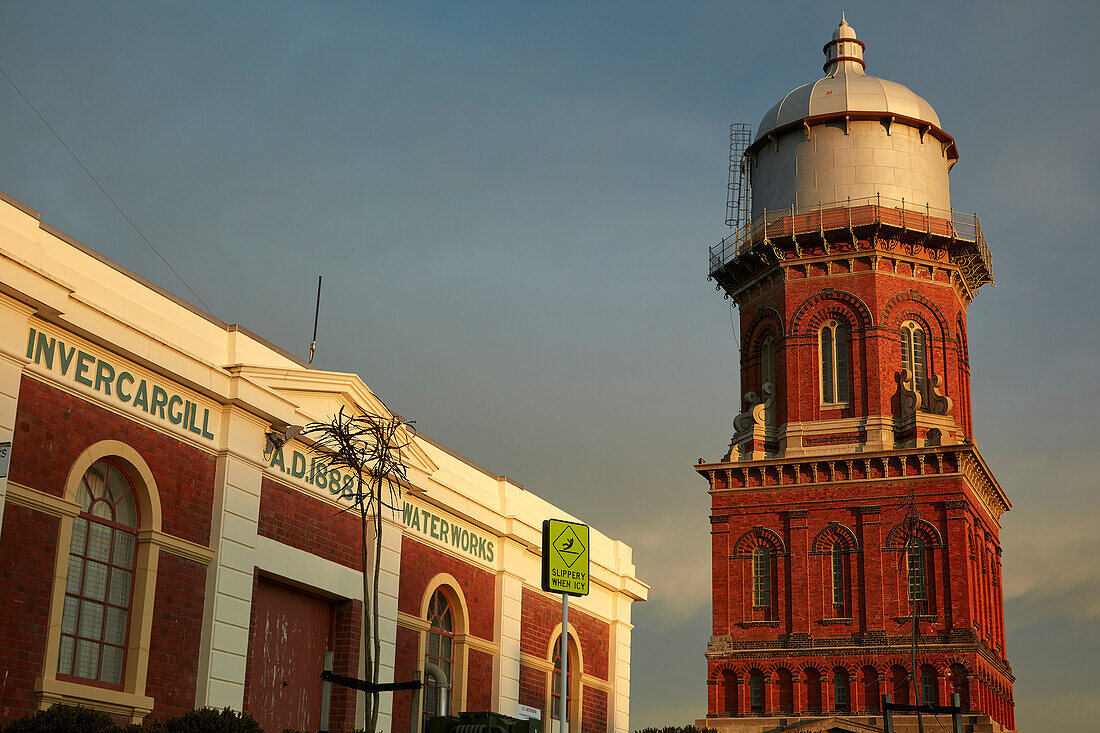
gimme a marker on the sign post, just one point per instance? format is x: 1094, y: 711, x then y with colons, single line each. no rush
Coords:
x: 564, y: 570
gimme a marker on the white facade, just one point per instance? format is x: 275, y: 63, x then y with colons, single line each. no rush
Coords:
x: 243, y: 387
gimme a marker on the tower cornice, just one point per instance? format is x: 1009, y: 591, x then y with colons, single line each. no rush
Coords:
x: 864, y: 469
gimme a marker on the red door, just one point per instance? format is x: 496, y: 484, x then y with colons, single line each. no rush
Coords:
x: 290, y: 634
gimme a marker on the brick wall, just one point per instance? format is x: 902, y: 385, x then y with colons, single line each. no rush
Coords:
x: 420, y: 563
x: 52, y: 428
x: 177, y: 625
x: 308, y: 524
x: 962, y: 622
x: 540, y: 615
x: 532, y: 689
x: 875, y: 352
x: 347, y: 643
x: 594, y: 711
x: 26, y: 580
x: 479, y: 681
x: 406, y: 662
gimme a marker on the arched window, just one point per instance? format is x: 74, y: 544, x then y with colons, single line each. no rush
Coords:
x: 761, y: 577
x: 440, y: 652
x: 105, y: 580
x: 840, y: 689
x: 729, y: 693
x: 767, y: 376
x: 834, y: 363
x: 100, y: 580
x: 871, y: 688
x: 767, y: 361
x: 813, y: 689
x: 555, y: 685
x: 899, y: 684
x: 784, y: 680
x: 914, y: 357
x: 928, y: 686
x: 959, y: 684
x: 838, y: 579
x: 756, y: 691
x: 916, y: 569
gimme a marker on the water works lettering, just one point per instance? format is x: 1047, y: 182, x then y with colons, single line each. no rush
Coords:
x: 103, y: 377
x: 448, y: 532
x: 316, y: 471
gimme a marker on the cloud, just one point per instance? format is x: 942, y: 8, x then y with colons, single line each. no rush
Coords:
x: 1077, y: 711
x: 673, y: 557
x: 1047, y: 577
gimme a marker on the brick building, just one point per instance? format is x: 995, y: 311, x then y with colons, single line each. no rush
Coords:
x: 853, y: 492
x: 154, y: 559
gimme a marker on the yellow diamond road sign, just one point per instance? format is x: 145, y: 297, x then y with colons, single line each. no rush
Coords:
x: 565, y: 557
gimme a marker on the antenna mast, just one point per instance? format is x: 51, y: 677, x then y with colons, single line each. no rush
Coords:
x: 737, y: 185
x: 316, y: 315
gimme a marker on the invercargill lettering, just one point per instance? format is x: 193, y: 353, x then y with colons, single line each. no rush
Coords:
x: 103, y: 377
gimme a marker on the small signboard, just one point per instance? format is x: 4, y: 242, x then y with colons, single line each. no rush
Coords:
x: 565, y: 557
x: 526, y: 712
x: 5, y: 458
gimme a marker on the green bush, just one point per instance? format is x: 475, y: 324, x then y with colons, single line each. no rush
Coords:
x: 63, y: 719
x: 79, y: 719
x: 207, y: 720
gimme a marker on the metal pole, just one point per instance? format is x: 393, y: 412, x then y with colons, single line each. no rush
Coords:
x: 414, y: 715
x: 956, y: 715
x: 564, y: 663
x: 326, y: 694
x: 887, y: 714
x: 916, y: 675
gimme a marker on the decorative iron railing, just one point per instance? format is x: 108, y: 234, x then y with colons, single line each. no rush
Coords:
x: 847, y: 215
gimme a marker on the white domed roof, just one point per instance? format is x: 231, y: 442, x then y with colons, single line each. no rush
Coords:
x: 846, y: 88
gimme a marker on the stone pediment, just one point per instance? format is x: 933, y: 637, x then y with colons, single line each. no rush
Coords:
x: 315, y: 396
x: 827, y: 725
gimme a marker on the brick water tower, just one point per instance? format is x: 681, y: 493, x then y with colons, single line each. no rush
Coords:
x: 852, y: 504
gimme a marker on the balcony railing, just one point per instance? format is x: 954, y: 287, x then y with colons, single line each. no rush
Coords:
x: 820, y: 219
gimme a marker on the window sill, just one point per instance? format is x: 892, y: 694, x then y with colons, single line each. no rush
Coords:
x: 755, y: 624
x: 134, y: 707
x: 835, y: 405
x: 838, y: 621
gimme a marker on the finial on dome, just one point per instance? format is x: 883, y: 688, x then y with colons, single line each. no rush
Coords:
x: 844, y: 54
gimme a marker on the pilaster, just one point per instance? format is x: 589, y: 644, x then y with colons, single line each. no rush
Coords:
x: 800, y: 699
x: 389, y: 562
x: 509, y: 609
x: 955, y: 565
x: 872, y: 605
x: 223, y: 655
x: 619, y: 702
x: 799, y: 559
x: 721, y: 568
x: 857, y: 693
x: 14, y: 322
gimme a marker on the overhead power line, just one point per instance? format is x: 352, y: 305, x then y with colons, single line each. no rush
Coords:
x: 104, y: 191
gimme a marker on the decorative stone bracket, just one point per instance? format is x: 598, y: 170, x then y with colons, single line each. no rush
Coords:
x: 915, y: 427
x: 754, y: 426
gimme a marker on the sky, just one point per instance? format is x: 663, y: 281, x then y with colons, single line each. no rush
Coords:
x: 511, y: 206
